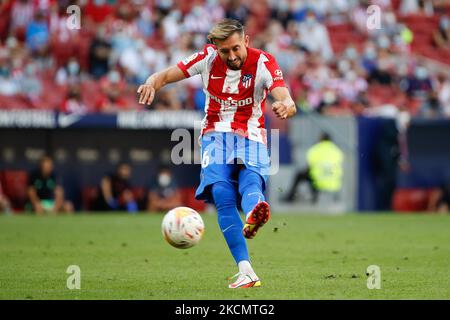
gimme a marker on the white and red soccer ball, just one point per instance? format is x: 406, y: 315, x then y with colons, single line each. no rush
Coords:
x: 182, y: 227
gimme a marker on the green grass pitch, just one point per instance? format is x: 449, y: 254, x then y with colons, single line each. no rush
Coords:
x: 296, y: 256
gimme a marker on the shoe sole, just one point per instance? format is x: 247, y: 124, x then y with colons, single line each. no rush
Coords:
x: 260, y: 215
x: 248, y: 285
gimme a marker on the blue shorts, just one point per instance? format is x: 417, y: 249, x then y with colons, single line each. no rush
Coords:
x: 223, y: 155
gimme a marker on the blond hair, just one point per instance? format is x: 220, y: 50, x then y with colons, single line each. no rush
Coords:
x: 225, y: 29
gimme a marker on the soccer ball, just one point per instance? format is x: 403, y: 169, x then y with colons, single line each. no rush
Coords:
x: 182, y: 227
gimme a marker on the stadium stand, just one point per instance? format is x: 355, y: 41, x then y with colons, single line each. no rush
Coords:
x: 163, y: 29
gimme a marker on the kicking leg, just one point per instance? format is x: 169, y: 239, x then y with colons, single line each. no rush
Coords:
x: 253, y: 202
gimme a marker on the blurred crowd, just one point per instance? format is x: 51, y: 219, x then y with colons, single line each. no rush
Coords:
x: 42, y: 190
x: 332, y: 62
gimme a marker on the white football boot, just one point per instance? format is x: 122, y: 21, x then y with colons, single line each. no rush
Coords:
x: 244, y: 280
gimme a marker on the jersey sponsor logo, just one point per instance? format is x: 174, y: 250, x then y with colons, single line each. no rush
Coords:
x: 233, y: 103
x: 279, y: 75
x: 247, y: 80
x: 215, y: 77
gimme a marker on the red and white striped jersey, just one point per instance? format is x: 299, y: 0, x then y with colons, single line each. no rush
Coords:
x: 235, y: 98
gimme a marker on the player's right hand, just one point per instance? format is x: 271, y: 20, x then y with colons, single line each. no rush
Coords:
x: 147, y: 94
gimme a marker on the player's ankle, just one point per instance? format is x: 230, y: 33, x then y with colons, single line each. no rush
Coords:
x: 246, y: 268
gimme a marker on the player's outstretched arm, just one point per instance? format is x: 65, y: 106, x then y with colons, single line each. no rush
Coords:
x: 284, y: 107
x: 156, y: 81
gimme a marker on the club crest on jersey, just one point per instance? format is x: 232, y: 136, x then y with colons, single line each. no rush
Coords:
x: 247, y: 80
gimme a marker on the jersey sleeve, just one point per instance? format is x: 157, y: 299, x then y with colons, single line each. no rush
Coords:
x: 196, y: 63
x: 274, y: 76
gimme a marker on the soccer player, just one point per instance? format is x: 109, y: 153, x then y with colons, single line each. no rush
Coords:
x: 236, y: 80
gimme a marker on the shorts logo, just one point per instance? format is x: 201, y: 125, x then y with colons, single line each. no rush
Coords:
x: 247, y: 80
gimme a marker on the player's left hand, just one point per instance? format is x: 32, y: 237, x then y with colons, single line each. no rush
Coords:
x: 282, y: 109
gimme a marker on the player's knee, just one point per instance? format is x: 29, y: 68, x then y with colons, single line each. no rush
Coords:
x: 223, y: 194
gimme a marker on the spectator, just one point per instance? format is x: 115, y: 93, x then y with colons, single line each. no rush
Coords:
x: 410, y: 7
x: 431, y: 107
x: 99, y: 54
x: 360, y: 105
x: 37, y: 35
x: 5, y: 205
x: 358, y: 17
x: 97, y: 11
x: 30, y: 83
x: 163, y: 194
x: 69, y: 74
x: 112, y: 100
x: 417, y: 84
x: 441, y: 36
x: 73, y: 102
x: 8, y: 86
x: 167, y: 100
x: 315, y: 79
x: 324, y: 171
x: 443, y: 91
x: 198, y: 20
x: 144, y: 19
x: 45, y: 190
x: 382, y: 72
x: 116, y: 191
x: 314, y: 37
x: 21, y: 15
x: 235, y: 9
x: 5, y: 18
x: 138, y: 60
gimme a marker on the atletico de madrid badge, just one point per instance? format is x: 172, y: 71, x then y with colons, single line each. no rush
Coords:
x: 246, y: 80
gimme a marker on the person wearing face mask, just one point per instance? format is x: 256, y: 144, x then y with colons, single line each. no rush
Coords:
x: 70, y: 73
x: 419, y: 83
x: 116, y: 191
x: 163, y: 194
x: 314, y: 36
